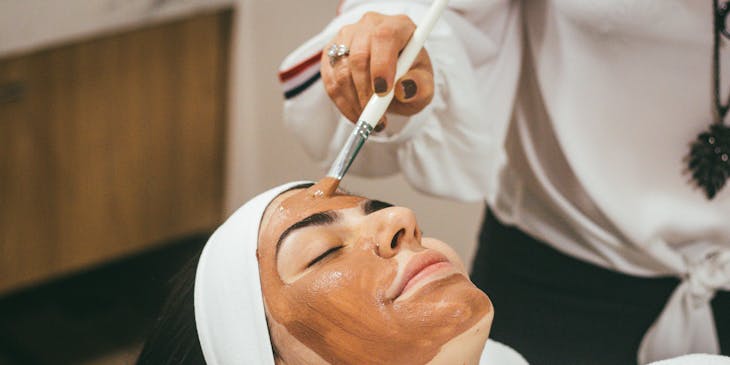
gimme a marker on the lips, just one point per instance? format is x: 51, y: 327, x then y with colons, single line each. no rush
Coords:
x: 418, y: 268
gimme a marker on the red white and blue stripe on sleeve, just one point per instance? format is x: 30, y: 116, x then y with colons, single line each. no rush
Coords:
x: 301, y: 76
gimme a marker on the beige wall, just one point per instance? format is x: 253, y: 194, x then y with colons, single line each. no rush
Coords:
x: 262, y: 153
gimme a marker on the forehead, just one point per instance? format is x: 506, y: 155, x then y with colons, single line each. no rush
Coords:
x: 295, y: 205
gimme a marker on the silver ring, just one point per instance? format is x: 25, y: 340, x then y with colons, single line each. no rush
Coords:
x: 336, y: 51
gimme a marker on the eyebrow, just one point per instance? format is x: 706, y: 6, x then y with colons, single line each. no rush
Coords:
x: 316, y: 219
x: 329, y: 217
x: 372, y: 206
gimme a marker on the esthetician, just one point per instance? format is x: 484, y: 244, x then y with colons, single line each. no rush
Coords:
x: 291, y: 278
x: 594, y: 130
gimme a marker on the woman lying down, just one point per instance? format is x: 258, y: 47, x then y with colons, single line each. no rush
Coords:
x: 340, y: 279
x: 296, y: 277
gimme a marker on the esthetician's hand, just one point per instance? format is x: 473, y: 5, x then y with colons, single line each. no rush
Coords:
x: 375, y: 42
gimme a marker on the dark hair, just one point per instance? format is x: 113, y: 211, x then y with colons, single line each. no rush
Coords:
x: 174, y: 338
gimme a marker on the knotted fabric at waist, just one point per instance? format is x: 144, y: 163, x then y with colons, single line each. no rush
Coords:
x: 686, y: 324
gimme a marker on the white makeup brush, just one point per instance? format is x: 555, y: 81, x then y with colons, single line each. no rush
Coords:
x: 377, y: 105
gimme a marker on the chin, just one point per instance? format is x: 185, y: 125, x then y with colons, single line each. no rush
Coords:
x: 453, y: 302
x: 463, y: 291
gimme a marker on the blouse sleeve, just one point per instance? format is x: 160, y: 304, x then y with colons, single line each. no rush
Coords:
x: 453, y: 147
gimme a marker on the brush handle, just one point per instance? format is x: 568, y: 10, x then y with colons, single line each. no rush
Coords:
x: 377, y: 105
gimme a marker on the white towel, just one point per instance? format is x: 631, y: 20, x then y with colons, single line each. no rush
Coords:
x: 229, y: 306
x: 496, y: 353
x: 695, y: 359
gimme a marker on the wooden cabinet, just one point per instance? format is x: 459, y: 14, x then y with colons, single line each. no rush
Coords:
x: 110, y: 146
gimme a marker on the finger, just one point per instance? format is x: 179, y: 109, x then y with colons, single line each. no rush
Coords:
x: 413, y: 93
x: 337, y: 80
x: 359, y: 61
x: 418, y: 81
x: 360, y: 66
x: 414, y: 90
x: 387, y: 41
x: 344, y: 104
x: 346, y: 96
x: 382, y: 123
x: 416, y: 87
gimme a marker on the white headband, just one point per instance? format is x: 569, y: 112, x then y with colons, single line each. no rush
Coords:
x: 229, y: 306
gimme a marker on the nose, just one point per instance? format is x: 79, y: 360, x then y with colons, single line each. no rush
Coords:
x: 394, y: 229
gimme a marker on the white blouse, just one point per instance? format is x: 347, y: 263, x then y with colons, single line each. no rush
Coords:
x: 572, y: 119
x: 496, y: 353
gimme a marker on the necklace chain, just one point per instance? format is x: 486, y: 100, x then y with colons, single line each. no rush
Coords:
x: 709, y: 157
x: 721, y: 13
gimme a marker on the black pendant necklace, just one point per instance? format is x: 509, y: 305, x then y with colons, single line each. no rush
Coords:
x: 709, y: 157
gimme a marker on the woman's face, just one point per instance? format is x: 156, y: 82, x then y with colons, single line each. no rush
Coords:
x: 354, y: 281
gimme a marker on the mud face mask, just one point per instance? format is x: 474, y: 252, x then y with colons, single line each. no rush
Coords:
x: 353, y: 281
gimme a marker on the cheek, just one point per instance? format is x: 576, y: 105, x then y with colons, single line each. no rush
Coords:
x: 328, y: 282
x: 342, y: 290
x: 361, y: 280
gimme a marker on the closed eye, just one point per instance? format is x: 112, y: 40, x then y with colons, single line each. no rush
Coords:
x: 323, y: 255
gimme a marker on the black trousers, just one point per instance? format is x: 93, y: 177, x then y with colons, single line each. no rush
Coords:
x: 555, y: 309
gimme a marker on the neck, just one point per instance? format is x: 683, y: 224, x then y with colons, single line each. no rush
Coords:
x: 467, y: 347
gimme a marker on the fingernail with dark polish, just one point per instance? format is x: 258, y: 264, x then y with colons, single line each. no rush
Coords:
x: 379, y: 127
x: 409, y: 88
x: 380, y: 85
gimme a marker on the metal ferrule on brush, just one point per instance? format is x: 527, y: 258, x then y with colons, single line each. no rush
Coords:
x: 352, y: 146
